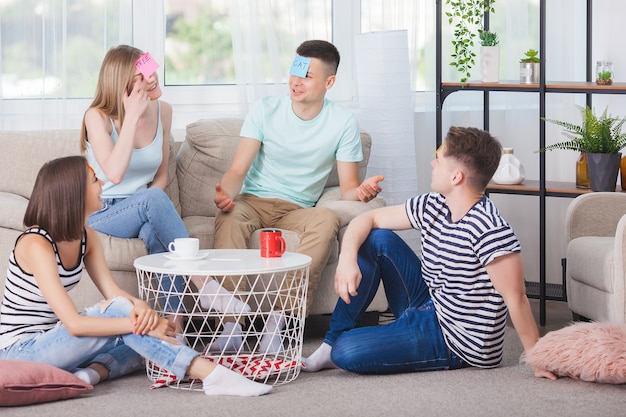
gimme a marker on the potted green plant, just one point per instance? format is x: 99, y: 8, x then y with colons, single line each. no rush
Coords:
x: 490, y: 56
x: 604, y: 73
x: 529, y: 67
x: 601, y: 139
x: 467, y: 18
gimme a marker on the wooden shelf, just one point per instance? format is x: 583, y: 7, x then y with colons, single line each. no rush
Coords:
x: 531, y: 187
x: 550, y: 87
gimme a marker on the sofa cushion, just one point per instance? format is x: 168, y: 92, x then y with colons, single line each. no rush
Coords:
x: 32, y: 149
x: 171, y: 189
x: 590, y: 260
x: 12, y: 209
x: 202, y: 228
x: 203, y: 158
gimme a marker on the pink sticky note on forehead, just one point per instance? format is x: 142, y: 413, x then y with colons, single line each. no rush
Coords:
x: 146, y: 65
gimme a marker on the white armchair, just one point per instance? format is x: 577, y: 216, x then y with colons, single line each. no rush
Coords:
x: 596, y: 256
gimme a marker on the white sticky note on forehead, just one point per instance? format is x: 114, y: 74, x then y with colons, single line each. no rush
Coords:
x: 300, y: 66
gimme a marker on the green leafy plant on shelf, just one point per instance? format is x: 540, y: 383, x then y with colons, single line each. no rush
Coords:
x: 595, y: 134
x: 530, y: 56
x: 467, y: 18
x: 488, y: 38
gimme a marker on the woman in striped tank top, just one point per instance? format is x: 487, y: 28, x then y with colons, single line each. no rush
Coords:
x: 105, y: 341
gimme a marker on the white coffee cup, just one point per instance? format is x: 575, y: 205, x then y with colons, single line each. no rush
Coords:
x: 185, y: 247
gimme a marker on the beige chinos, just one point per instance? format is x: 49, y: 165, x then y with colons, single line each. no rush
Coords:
x: 317, y: 227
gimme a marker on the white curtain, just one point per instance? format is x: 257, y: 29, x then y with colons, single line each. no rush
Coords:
x: 265, y: 36
x: 386, y: 110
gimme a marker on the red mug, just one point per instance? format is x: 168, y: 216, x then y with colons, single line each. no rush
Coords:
x: 272, y: 243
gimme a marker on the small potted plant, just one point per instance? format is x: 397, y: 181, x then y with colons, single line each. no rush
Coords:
x: 467, y: 18
x: 529, y: 67
x: 490, y: 56
x: 604, y: 73
x: 601, y: 139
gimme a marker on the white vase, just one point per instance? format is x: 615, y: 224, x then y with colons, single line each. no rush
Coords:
x: 510, y: 170
x: 490, y: 64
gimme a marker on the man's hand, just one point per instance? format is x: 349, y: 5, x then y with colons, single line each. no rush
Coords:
x: 369, y: 188
x: 222, y: 200
x: 542, y: 373
x: 347, y: 280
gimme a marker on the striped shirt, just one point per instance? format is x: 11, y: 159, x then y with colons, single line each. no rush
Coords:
x: 472, y: 314
x: 24, y: 310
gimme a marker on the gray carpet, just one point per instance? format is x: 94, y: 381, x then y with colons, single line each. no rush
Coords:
x: 510, y: 390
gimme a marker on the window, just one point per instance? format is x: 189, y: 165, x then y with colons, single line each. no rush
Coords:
x: 53, y: 48
x: 210, y: 42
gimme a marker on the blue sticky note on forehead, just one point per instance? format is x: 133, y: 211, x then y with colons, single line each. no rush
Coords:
x: 300, y: 66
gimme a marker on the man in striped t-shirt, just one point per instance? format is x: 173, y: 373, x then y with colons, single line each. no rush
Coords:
x: 451, y: 306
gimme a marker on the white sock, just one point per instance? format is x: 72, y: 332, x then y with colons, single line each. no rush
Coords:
x: 270, y: 342
x: 88, y: 375
x: 223, y: 381
x: 320, y: 359
x: 230, y: 340
x: 215, y: 297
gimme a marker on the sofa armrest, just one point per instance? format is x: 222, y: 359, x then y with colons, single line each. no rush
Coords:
x: 595, y: 214
x: 346, y: 210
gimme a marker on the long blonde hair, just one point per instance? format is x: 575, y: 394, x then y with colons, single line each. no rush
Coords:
x: 116, y: 77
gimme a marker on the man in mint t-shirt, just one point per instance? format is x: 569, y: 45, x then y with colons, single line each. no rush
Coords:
x: 288, y: 147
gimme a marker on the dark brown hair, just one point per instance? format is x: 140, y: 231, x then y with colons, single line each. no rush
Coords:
x: 322, y: 50
x: 475, y: 149
x: 57, y: 203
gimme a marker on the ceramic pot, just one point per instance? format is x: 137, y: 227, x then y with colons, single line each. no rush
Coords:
x: 603, y: 170
x: 510, y: 170
x: 529, y: 72
x: 490, y: 64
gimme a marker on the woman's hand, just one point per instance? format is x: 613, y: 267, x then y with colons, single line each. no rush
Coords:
x: 137, y: 101
x: 143, y: 318
x: 165, y: 330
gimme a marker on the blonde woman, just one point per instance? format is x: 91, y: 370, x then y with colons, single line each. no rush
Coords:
x: 125, y: 135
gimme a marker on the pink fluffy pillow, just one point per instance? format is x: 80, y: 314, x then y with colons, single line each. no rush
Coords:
x: 594, y: 352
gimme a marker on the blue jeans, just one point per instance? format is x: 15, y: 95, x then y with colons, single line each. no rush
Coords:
x: 150, y: 216
x: 121, y: 354
x: 413, y: 341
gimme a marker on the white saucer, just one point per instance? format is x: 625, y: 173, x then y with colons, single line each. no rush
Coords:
x: 196, y: 257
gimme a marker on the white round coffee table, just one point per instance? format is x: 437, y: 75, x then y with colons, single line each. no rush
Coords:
x: 275, y: 287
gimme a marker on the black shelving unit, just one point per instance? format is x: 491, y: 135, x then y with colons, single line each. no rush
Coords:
x: 540, y: 188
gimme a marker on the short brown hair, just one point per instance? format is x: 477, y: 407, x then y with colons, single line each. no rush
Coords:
x: 322, y: 50
x: 477, y: 150
x: 57, y: 203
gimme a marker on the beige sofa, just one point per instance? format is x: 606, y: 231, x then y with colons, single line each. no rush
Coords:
x: 196, y: 164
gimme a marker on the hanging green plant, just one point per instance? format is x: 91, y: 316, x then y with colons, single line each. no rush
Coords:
x: 467, y: 18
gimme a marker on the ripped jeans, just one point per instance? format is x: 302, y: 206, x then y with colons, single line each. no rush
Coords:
x: 121, y: 354
x: 149, y: 215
